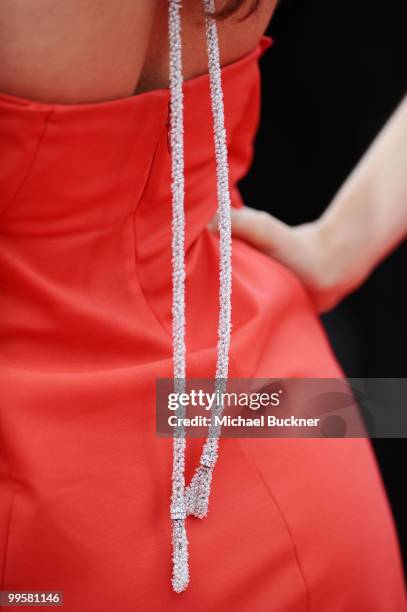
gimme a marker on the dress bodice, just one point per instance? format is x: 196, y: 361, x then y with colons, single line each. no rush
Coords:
x: 84, y: 167
x: 85, y: 210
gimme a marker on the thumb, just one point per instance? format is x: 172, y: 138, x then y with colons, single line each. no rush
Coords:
x: 260, y: 229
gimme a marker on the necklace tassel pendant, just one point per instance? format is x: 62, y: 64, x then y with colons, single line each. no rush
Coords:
x: 180, y: 577
x: 198, y: 491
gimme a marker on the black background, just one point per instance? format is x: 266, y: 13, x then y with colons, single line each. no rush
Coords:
x: 336, y: 72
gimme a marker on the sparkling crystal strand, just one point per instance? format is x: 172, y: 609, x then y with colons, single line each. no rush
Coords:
x: 198, y: 491
x: 194, y: 499
x: 180, y: 577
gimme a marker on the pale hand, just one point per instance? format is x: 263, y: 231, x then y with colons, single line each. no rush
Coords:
x: 306, y: 249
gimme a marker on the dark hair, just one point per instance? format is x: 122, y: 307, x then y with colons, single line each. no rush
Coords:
x: 231, y: 6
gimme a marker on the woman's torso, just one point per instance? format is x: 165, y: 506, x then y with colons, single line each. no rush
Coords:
x: 85, y: 302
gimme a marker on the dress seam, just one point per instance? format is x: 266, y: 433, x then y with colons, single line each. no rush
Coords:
x: 287, y: 527
x: 136, y: 260
x: 32, y: 162
x: 9, y: 520
x: 6, y: 547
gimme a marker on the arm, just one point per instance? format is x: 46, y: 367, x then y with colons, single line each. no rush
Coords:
x: 363, y: 224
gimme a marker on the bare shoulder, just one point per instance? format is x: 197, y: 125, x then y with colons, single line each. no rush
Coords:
x: 94, y: 50
x: 75, y: 50
x: 236, y: 38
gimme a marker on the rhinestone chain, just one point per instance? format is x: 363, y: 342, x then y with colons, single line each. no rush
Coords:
x: 194, y: 499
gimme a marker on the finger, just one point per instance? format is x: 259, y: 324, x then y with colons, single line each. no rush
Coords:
x: 262, y: 230
x: 213, y: 223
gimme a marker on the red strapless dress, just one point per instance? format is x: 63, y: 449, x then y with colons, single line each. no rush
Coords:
x: 85, y: 275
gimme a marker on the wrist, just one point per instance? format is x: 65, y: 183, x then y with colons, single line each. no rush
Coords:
x: 344, y: 261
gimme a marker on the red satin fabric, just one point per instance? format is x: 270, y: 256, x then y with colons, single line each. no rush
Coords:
x: 85, y: 328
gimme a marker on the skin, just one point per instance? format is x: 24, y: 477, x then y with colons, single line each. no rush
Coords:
x: 75, y: 51
x: 366, y: 220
